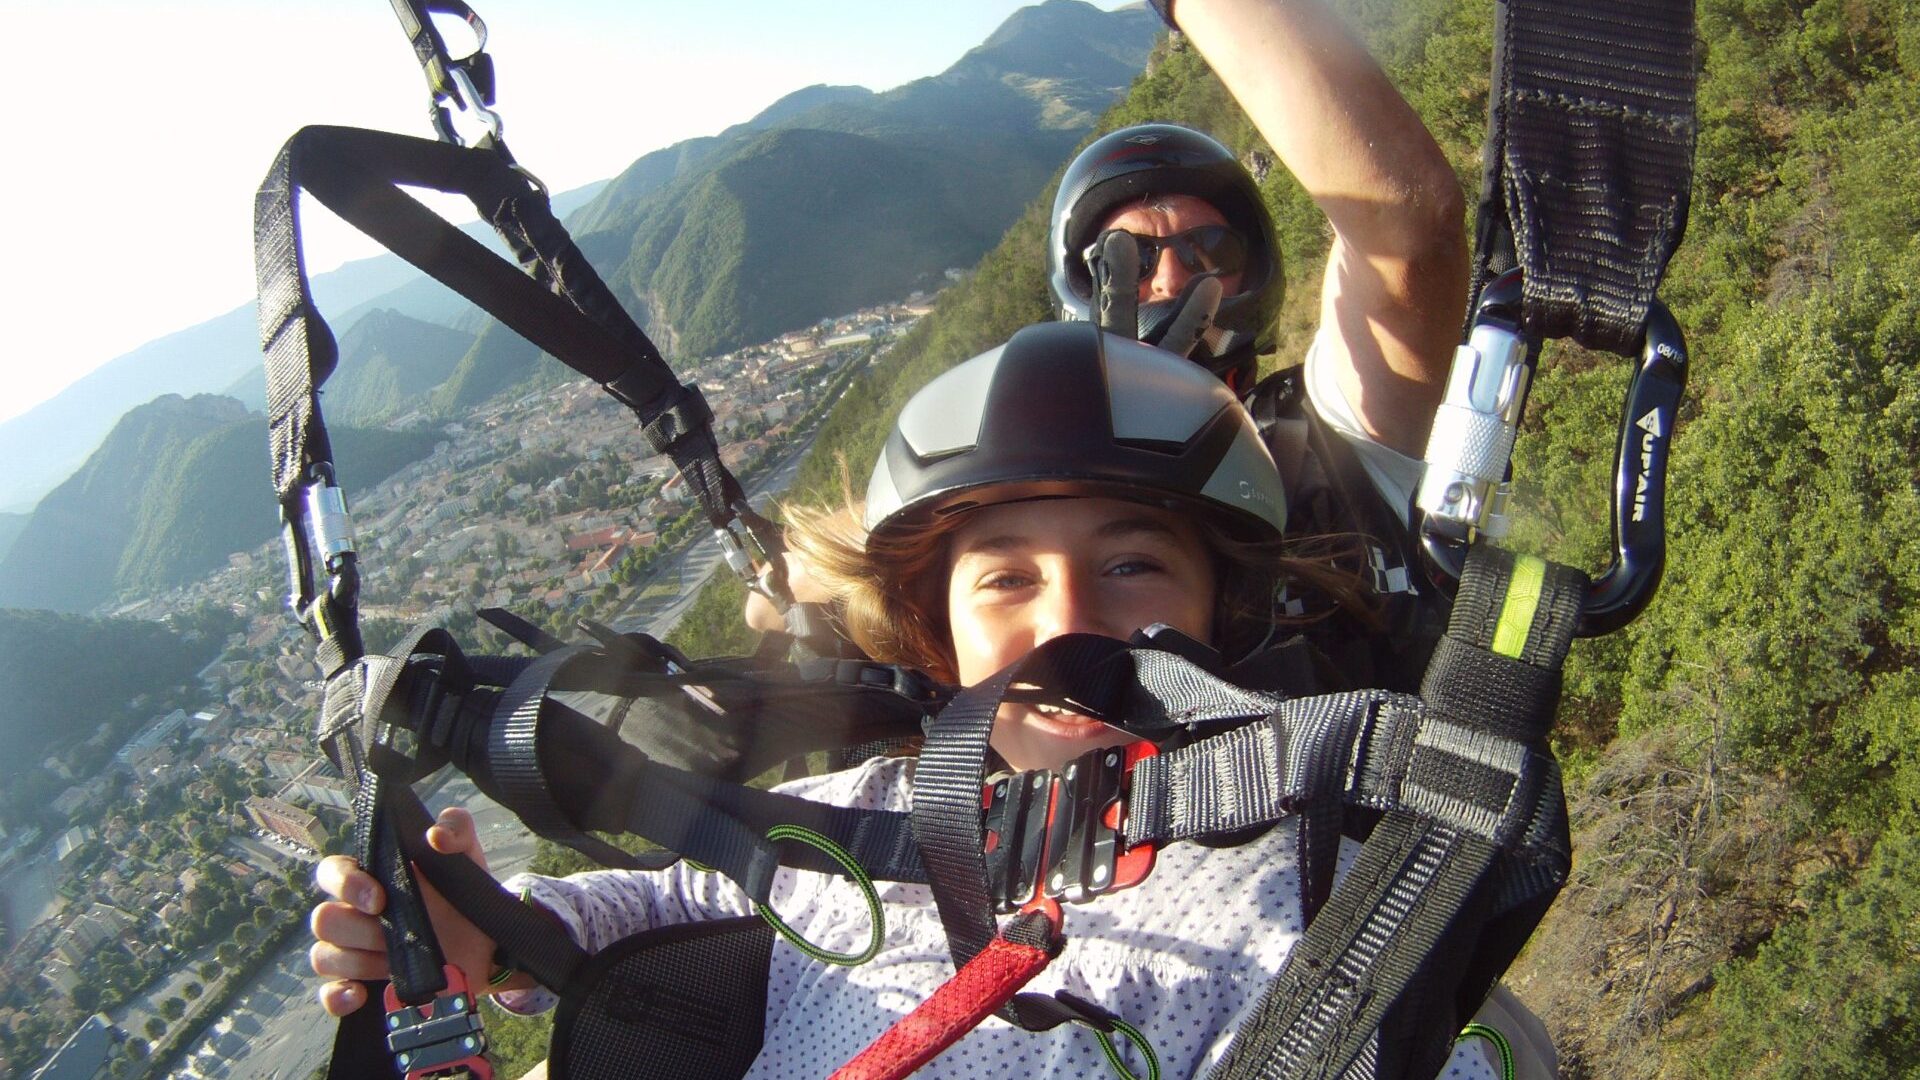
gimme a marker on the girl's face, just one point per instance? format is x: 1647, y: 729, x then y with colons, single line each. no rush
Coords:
x: 1024, y: 573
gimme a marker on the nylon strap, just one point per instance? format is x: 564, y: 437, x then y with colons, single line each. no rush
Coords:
x: 1588, y: 161
x: 1396, y: 934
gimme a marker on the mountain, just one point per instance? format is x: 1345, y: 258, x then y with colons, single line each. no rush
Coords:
x: 836, y: 200
x: 177, y: 486
x: 832, y: 198
x: 389, y: 364
x: 45, y: 444
x: 65, y: 676
x: 10, y: 526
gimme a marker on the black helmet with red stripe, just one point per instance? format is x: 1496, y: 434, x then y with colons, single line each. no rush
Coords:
x: 1145, y: 160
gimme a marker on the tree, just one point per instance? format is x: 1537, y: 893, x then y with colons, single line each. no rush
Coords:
x: 86, y: 997
x: 173, y: 1008
x: 192, y: 991
x: 155, y: 1028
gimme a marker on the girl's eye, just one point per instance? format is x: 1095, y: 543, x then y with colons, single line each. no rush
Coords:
x: 1003, y: 580
x: 1132, y: 567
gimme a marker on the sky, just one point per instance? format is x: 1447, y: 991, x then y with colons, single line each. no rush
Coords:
x: 137, y: 130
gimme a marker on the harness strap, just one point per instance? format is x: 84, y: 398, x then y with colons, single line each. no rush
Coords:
x: 1403, y: 931
x: 1588, y: 161
x: 978, y: 990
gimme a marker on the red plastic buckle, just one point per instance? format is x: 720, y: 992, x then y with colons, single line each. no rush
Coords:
x: 441, y: 1036
x: 1056, y: 836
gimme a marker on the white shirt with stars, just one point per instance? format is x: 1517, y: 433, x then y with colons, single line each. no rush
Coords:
x: 1182, y: 956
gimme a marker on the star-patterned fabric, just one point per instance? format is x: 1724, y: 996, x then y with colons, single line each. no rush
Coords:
x: 1181, y: 956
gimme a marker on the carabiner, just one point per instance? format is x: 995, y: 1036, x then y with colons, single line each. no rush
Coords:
x: 465, y: 83
x: 318, y: 534
x: 1471, y: 445
x: 1640, y: 480
x: 1465, y: 486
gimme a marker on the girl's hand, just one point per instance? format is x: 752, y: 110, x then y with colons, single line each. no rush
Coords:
x: 349, y: 948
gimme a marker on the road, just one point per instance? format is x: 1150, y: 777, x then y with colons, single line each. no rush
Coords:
x: 689, y: 568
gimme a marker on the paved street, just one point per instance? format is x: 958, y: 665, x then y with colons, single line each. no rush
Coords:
x: 690, y: 568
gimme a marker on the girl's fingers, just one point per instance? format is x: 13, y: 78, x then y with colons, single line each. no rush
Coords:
x: 454, y: 833
x: 333, y: 962
x: 342, y: 879
x: 342, y: 996
x: 341, y: 924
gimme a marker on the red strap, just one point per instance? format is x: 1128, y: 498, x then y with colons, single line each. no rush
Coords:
x: 974, y: 993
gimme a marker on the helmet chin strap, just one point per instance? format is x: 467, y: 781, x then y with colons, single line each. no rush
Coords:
x: 1175, y: 325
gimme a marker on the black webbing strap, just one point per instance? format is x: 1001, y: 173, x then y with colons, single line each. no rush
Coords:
x: 1401, y: 931
x: 558, y: 303
x: 1146, y: 691
x: 1588, y: 160
x: 352, y: 733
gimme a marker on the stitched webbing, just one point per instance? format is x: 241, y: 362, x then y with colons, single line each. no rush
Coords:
x: 1400, y: 932
x: 1589, y: 160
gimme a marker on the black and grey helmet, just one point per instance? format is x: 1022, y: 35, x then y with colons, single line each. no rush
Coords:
x: 1063, y: 409
x: 1167, y: 159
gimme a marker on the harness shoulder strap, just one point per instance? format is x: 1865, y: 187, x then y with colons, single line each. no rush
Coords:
x: 1436, y: 882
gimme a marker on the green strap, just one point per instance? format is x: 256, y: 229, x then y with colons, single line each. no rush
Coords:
x: 1140, y: 1043
x: 1477, y: 1030
x: 856, y: 872
x: 1522, y: 601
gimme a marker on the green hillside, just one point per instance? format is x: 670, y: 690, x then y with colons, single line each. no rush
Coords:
x: 63, y: 558
x: 183, y: 531
x: 1744, y: 758
x: 838, y: 198
x: 54, y: 702
x: 155, y: 504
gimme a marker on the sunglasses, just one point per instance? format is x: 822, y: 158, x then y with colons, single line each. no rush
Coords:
x: 1206, y: 248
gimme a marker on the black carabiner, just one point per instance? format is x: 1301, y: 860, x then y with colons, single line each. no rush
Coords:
x: 1639, y: 520
x: 1640, y: 480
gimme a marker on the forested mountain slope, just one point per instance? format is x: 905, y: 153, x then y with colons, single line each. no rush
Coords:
x: 1744, y: 759
x: 155, y: 505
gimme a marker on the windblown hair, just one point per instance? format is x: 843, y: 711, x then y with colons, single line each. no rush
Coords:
x: 892, y: 593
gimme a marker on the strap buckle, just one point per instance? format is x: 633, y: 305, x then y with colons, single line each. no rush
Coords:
x: 441, y: 1036
x: 1053, y: 837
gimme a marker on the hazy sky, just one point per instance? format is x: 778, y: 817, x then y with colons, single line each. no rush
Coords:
x: 136, y: 131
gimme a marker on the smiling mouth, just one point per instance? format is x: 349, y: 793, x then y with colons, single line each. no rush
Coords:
x: 1054, y: 716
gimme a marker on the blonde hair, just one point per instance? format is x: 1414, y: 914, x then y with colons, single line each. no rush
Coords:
x: 891, y: 592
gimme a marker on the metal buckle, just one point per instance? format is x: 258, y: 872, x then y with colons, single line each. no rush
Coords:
x: 441, y: 1036
x: 1056, y: 836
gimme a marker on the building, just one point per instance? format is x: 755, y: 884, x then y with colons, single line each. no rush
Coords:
x: 290, y: 823
x: 84, y: 1053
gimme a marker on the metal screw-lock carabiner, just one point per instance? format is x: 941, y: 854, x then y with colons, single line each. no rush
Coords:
x: 1464, y: 490
x: 1468, y: 452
